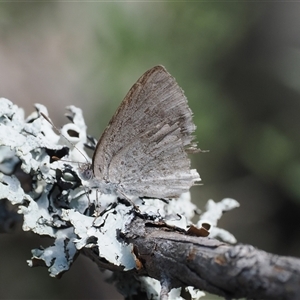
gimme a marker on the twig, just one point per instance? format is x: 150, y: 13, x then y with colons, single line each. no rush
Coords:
x: 210, y: 265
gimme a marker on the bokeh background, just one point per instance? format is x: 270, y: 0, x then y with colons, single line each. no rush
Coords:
x: 239, y: 64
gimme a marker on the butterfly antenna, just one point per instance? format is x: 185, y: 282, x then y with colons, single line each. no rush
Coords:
x: 59, y: 131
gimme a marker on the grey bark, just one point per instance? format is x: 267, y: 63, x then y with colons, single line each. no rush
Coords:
x: 179, y: 260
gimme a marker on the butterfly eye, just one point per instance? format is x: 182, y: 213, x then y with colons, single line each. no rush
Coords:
x: 90, y: 173
x: 86, y: 171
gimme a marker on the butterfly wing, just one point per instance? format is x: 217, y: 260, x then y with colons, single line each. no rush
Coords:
x: 144, y: 148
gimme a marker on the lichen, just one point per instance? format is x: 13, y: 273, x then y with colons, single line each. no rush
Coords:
x: 61, y: 203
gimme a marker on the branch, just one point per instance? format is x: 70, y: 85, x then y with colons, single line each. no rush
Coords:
x: 210, y: 265
x: 239, y: 271
x: 153, y: 252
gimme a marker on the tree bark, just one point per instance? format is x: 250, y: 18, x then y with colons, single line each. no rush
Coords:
x: 231, y: 271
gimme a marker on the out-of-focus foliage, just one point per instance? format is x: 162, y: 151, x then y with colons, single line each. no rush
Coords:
x: 237, y: 62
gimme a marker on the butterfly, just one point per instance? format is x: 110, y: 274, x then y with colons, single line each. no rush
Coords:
x: 143, y: 151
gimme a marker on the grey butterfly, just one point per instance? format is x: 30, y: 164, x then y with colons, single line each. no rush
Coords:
x: 143, y: 150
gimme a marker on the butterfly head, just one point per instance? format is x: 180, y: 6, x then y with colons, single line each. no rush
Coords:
x: 86, y: 171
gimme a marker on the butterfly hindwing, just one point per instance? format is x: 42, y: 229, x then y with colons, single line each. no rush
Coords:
x: 143, y: 149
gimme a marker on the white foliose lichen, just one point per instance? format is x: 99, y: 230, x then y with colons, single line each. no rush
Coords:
x: 60, y: 203
x: 214, y: 211
x: 41, y: 172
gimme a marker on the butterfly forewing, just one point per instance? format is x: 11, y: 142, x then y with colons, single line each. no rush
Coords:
x: 142, y: 151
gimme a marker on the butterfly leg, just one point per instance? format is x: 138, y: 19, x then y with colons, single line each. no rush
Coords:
x: 87, y: 191
x: 93, y: 206
x: 97, y: 204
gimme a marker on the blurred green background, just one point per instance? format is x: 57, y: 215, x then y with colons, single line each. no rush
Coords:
x: 239, y: 64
